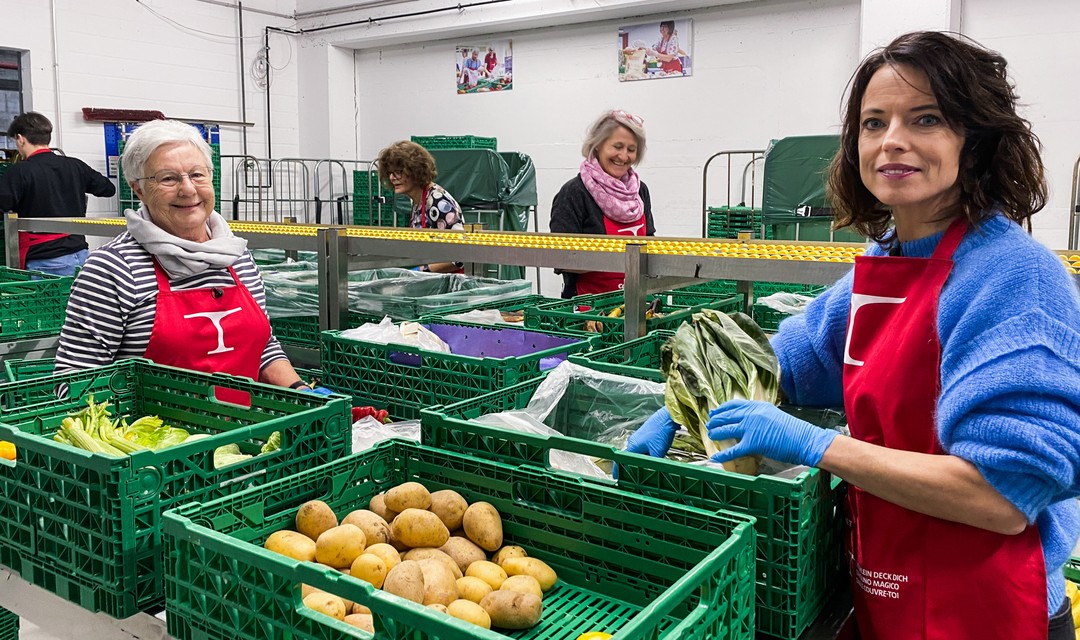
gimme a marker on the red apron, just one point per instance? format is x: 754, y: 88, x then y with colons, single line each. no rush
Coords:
x: 27, y: 239
x: 604, y: 281
x: 213, y: 330
x: 913, y: 575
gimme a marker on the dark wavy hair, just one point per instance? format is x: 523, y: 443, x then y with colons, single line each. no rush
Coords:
x: 33, y: 126
x: 413, y: 161
x: 1000, y: 166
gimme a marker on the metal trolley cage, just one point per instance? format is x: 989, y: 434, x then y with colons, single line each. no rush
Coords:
x: 749, y: 160
x: 1074, y: 208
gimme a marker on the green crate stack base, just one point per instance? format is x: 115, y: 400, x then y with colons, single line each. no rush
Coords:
x: 87, y: 527
x: 622, y: 559
x: 798, y: 521
x: 456, y: 142
x: 638, y: 358
x: 367, y: 212
x: 729, y: 222
x: 303, y: 331
x: 368, y: 372
x: 566, y: 315
x: 9, y: 625
x: 126, y: 198
x: 32, y: 303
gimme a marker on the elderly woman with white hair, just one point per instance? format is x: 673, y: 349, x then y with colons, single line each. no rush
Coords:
x: 606, y: 197
x: 177, y: 287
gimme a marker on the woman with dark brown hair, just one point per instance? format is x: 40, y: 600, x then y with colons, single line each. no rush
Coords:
x: 954, y: 346
x: 409, y: 170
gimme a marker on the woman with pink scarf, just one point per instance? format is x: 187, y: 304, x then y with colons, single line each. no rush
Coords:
x: 606, y: 197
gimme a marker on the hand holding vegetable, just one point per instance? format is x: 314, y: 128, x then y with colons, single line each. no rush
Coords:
x: 762, y: 428
x: 655, y: 436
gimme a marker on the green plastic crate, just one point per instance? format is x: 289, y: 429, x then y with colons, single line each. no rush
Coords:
x: 567, y: 315
x: 88, y: 526
x: 404, y: 378
x: 23, y: 369
x: 627, y: 564
x: 456, y: 142
x: 303, y: 331
x: 32, y: 303
x: 767, y: 318
x: 638, y: 358
x: 798, y: 521
x: 9, y: 625
x: 511, y: 304
x: 1072, y: 569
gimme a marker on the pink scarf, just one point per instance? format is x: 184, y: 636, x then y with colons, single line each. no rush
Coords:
x: 618, y: 198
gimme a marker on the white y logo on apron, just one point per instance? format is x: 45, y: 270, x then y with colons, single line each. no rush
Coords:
x: 858, y: 301
x: 215, y: 317
x: 631, y: 230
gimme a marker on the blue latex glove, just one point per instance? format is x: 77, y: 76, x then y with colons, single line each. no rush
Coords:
x: 762, y: 428
x: 319, y: 391
x: 655, y: 436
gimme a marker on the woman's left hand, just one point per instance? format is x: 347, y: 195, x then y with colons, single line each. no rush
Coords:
x: 762, y: 428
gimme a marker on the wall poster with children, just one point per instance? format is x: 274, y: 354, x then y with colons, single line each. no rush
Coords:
x: 655, y: 50
x: 485, y: 67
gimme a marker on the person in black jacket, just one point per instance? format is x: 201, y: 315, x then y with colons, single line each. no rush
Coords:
x: 47, y: 185
x: 606, y: 197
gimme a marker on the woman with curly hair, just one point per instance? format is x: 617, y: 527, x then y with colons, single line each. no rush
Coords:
x: 954, y: 346
x: 409, y: 170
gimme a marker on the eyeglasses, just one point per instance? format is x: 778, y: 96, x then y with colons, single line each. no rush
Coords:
x: 626, y: 115
x: 199, y: 176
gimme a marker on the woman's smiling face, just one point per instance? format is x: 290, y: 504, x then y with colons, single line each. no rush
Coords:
x: 618, y: 153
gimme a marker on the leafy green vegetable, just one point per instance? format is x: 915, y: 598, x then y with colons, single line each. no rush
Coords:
x: 273, y: 443
x: 715, y: 359
x: 229, y: 454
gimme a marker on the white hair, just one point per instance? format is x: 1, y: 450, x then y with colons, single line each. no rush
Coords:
x: 151, y: 135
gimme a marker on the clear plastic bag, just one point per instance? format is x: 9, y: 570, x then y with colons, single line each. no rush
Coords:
x: 386, y: 332
x: 367, y: 432
x: 789, y: 303
x: 525, y: 422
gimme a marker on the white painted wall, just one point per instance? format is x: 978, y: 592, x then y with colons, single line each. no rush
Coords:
x: 117, y: 54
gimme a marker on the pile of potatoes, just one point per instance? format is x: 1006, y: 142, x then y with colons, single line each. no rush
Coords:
x: 431, y: 548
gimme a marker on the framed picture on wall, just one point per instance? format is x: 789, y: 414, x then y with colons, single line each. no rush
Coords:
x: 482, y: 68
x: 656, y: 50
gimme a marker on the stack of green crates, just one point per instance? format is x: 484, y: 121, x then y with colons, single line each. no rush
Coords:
x: 798, y: 520
x: 769, y: 319
x: 32, y: 303
x: 625, y: 561
x: 373, y: 203
x: 87, y: 526
x: 729, y: 222
x: 9, y: 625
x: 126, y: 198
x: 456, y: 142
x: 303, y: 331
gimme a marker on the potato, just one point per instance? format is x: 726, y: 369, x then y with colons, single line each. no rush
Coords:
x: 427, y: 553
x: 292, y: 544
x: 473, y: 588
x: 370, y: 568
x: 534, y: 567
x: 387, y: 552
x: 441, y: 608
x: 409, y: 495
x: 418, y: 528
x: 489, y: 572
x: 360, y: 608
x: 314, y: 517
x: 306, y: 590
x: 522, y: 584
x: 508, y: 551
x: 339, y: 546
x: 326, y: 603
x: 406, y: 580
x: 379, y: 508
x: 483, y: 525
x: 439, y: 584
x: 375, y: 529
x: 469, y: 611
x: 463, y: 551
x: 362, y: 621
x: 512, y: 610
x: 449, y: 506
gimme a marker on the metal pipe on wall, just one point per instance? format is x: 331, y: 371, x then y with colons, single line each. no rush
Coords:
x: 58, y: 133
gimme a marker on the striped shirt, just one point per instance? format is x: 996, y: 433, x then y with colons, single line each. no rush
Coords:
x: 114, y: 302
